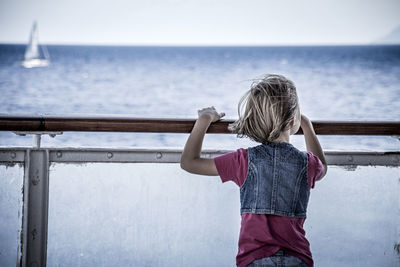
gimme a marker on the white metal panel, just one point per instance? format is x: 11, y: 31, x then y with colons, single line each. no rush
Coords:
x: 152, y: 155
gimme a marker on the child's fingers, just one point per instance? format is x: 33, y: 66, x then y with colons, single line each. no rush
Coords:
x: 212, y: 110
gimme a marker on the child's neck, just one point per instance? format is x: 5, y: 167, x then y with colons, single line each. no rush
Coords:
x: 283, y: 137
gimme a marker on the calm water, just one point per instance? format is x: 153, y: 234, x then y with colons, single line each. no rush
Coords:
x: 334, y: 83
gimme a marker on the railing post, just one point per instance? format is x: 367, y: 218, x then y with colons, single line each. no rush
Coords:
x: 35, y: 214
x: 36, y: 140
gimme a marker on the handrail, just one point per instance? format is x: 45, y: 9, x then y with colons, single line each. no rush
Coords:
x: 128, y: 124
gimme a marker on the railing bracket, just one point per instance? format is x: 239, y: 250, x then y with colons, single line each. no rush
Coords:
x: 396, y: 137
x: 37, y: 136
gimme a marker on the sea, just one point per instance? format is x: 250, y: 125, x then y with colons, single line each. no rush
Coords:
x: 350, y: 83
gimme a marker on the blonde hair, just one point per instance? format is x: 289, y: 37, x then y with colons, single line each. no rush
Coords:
x: 266, y: 109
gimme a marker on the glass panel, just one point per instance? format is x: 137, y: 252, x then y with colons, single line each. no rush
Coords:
x: 353, y: 217
x: 108, y: 214
x: 140, y: 215
x: 11, y: 179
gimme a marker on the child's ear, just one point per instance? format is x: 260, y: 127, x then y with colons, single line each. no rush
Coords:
x: 291, y: 123
x: 293, y: 126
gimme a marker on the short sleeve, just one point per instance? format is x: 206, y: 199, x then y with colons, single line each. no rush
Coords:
x: 315, y: 169
x: 233, y: 166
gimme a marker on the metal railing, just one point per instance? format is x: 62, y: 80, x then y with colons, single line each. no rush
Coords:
x: 128, y: 124
x: 37, y: 160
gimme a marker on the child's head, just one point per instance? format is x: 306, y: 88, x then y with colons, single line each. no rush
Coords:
x: 267, y: 109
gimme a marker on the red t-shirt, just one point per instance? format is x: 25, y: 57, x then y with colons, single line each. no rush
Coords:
x: 262, y: 235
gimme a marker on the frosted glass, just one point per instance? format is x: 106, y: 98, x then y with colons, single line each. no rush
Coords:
x: 11, y: 177
x: 109, y: 214
x: 354, y: 217
x: 140, y: 215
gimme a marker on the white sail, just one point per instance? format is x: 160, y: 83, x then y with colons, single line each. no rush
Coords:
x: 32, y: 50
x: 32, y: 54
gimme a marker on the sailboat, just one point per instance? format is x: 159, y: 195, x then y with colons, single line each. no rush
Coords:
x: 32, y: 53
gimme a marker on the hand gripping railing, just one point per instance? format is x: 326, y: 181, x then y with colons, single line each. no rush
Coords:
x: 36, y: 191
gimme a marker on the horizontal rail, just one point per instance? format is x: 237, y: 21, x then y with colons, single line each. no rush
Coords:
x: 127, y: 124
x: 113, y: 155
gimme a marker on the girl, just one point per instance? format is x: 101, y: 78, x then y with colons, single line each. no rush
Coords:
x: 274, y: 177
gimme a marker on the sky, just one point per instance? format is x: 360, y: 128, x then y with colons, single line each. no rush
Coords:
x: 199, y: 22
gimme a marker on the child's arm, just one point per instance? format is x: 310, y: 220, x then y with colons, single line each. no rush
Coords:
x: 312, y: 142
x: 191, y: 160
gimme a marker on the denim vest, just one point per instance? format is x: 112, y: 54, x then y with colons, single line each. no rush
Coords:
x: 276, y: 181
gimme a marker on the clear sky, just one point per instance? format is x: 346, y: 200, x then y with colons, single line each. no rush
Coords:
x: 199, y: 22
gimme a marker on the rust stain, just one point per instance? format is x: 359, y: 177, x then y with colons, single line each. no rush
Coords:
x: 34, y: 233
x: 22, y: 226
x: 35, y: 178
x: 9, y: 164
x: 396, y: 248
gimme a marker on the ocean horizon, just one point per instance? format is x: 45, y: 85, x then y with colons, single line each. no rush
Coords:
x: 349, y: 82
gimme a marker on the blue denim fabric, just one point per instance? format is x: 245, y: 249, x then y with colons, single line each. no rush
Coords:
x: 276, y: 181
x: 279, y: 259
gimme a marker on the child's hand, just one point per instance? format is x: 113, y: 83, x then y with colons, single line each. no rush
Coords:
x: 210, y: 113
